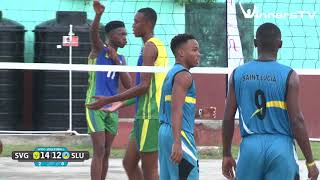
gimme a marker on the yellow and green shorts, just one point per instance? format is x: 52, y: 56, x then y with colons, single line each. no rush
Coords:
x: 145, y: 133
x: 100, y: 121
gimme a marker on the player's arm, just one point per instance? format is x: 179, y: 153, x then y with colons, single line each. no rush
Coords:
x: 125, y: 77
x: 1, y: 147
x: 96, y: 42
x: 118, y: 105
x: 150, y: 54
x: 297, y: 119
x: 228, y: 120
x: 227, y: 131
x: 181, y: 84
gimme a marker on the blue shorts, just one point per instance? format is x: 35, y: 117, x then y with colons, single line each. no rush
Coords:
x: 268, y: 157
x: 188, y: 168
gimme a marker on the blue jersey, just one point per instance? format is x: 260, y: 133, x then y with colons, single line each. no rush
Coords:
x: 189, y: 107
x: 138, y: 75
x: 260, y: 89
x: 102, y: 83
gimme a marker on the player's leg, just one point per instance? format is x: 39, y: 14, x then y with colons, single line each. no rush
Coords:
x: 105, y: 163
x: 131, y: 159
x: 250, y: 164
x: 164, y: 152
x: 98, y: 142
x: 281, y: 159
x: 96, y: 129
x: 188, y: 168
x: 147, y: 142
x: 111, y: 122
x: 189, y: 165
x: 149, y: 162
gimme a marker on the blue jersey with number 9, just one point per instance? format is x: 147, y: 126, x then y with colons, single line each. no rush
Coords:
x: 260, y: 89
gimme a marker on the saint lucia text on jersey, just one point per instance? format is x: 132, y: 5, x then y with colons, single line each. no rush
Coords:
x: 256, y: 77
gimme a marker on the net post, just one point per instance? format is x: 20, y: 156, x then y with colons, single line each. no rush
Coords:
x: 70, y: 78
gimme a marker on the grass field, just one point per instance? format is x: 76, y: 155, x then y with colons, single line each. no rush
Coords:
x: 205, y: 153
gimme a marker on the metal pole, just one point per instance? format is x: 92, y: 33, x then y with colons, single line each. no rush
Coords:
x: 70, y: 79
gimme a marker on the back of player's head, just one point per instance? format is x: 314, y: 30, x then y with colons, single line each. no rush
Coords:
x: 268, y: 37
x: 179, y: 40
x: 113, y: 25
x: 149, y: 14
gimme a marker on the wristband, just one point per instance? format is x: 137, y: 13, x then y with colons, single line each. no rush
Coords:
x: 129, y: 101
x: 311, y: 164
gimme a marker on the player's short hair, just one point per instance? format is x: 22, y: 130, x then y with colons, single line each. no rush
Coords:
x: 267, y: 36
x: 178, y: 40
x: 150, y: 15
x: 113, y: 25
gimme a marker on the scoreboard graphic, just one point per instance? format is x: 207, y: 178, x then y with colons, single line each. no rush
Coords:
x: 50, y: 156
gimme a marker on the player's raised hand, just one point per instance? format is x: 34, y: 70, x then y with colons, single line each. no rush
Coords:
x: 313, y: 172
x: 112, y: 53
x: 228, y: 167
x: 114, y: 107
x: 98, y: 7
x: 176, y: 154
x: 99, y: 103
